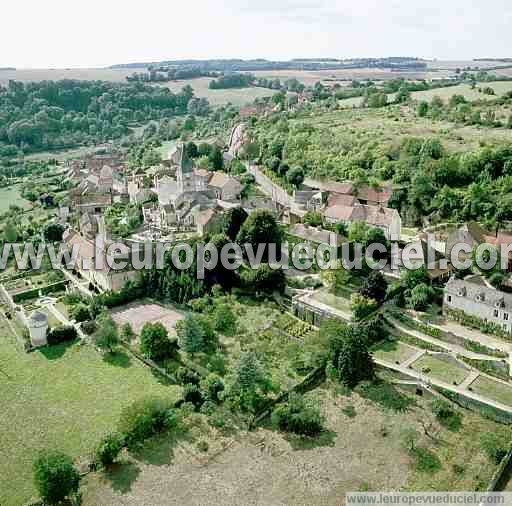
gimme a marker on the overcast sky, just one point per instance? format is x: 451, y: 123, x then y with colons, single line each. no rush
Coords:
x: 76, y: 33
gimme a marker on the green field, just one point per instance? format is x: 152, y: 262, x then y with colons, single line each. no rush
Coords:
x: 446, y: 369
x: 63, y: 397
x: 394, y: 351
x: 236, y: 97
x: 493, y: 389
x: 11, y: 196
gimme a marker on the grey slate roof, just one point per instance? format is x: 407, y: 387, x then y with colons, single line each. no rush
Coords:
x: 475, y: 288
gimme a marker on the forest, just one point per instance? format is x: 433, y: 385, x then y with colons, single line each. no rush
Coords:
x: 63, y: 114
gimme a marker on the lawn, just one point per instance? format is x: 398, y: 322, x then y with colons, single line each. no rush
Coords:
x: 394, y: 351
x: 238, y: 97
x: 337, y: 302
x: 493, y: 389
x: 62, y: 397
x: 445, y: 369
x: 11, y: 196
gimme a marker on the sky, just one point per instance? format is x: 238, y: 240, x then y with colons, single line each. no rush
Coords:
x: 95, y: 33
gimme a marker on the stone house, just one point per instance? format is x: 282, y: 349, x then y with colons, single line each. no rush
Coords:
x: 475, y: 297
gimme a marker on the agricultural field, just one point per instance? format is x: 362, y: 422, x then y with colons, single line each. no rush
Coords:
x: 27, y: 75
x: 237, y: 97
x: 364, y: 428
x: 64, y: 397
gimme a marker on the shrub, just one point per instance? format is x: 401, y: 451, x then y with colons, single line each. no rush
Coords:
x: 298, y: 416
x: 109, y: 449
x: 144, y: 418
x: 211, y: 387
x: 59, y: 335
x: 185, y: 376
x: 55, y: 477
x: 446, y: 415
x: 224, y: 318
x: 80, y: 312
x: 89, y: 327
x: 192, y: 394
x: 495, y: 445
x: 155, y: 343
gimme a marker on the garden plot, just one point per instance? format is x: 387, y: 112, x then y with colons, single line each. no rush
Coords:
x: 138, y: 314
x: 496, y: 390
x: 394, y: 351
x: 443, y: 367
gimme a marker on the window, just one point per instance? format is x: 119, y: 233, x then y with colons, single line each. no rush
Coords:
x: 505, y: 316
x: 449, y: 298
x: 496, y: 313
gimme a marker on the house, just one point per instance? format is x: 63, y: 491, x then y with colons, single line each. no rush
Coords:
x: 476, y: 298
x: 91, y: 260
x: 316, y: 236
x: 365, y: 194
x: 308, y: 200
x: 472, y: 235
x: 225, y: 187
x: 388, y: 220
x: 209, y: 221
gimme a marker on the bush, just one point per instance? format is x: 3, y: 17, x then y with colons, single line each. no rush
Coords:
x: 185, y: 376
x: 446, y: 415
x: 109, y: 448
x: 224, y: 318
x: 211, y: 387
x: 59, y: 335
x: 80, y: 312
x: 155, y: 343
x: 298, y: 416
x: 89, y: 327
x: 495, y: 445
x: 144, y: 418
x: 192, y: 394
x: 55, y: 477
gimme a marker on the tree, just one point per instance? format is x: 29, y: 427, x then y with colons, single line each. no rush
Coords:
x: 55, y: 477
x: 354, y: 362
x: 420, y: 297
x: 191, y: 150
x: 127, y: 333
x: 109, y: 448
x: 80, y: 312
x: 313, y: 219
x: 154, y: 341
x: 298, y: 416
x: 195, y: 335
x: 264, y: 279
x: 224, y: 318
x: 423, y: 109
x: 53, y: 232
x: 375, y: 287
x: 234, y: 218
x: 215, y: 158
x: 10, y: 232
x: 106, y: 337
x: 295, y: 176
x: 260, y: 228
x: 362, y: 306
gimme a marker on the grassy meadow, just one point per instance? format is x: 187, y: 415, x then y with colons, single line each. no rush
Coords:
x: 63, y: 397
